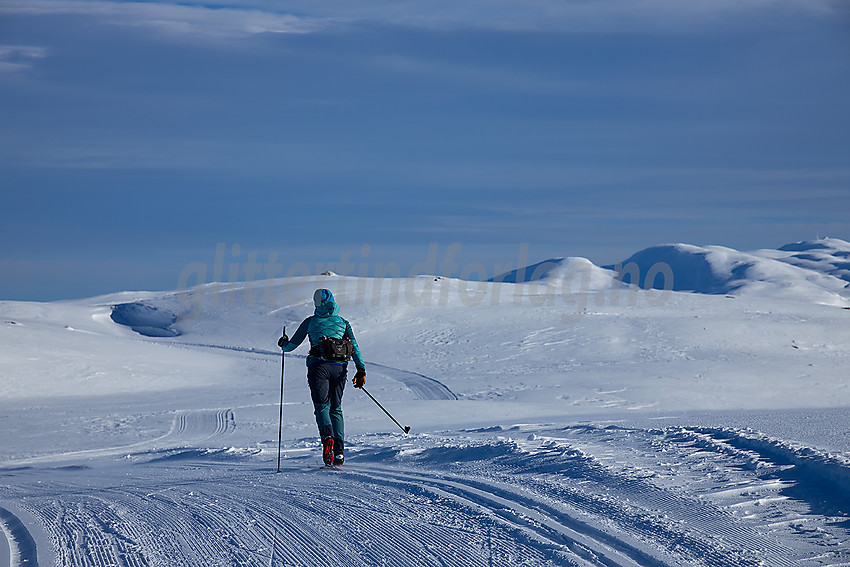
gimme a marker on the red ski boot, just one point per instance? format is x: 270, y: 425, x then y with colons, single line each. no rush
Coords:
x: 328, y: 454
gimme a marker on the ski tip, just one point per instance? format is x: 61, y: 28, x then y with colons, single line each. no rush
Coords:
x: 407, y: 429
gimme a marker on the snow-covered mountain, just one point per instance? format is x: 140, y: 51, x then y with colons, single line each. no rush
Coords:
x: 566, y: 419
x: 814, y: 270
x: 558, y: 269
x: 805, y: 270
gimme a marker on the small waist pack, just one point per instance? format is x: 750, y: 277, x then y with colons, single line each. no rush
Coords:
x: 330, y: 348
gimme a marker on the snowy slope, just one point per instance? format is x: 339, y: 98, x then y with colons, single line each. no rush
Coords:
x: 564, y: 421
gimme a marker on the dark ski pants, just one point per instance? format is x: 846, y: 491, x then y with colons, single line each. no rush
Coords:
x: 327, y: 383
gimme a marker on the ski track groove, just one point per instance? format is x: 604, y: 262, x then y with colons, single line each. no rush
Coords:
x: 188, y: 426
x: 550, y: 532
x: 383, y: 524
x: 207, y: 424
x: 21, y: 543
x: 425, y: 387
x: 550, y: 504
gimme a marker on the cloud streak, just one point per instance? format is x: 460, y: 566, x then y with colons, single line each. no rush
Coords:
x: 214, y: 18
x: 572, y: 16
x: 19, y: 57
x: 180, y: 20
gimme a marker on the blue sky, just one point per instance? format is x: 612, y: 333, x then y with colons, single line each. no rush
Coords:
x: 137, y: 136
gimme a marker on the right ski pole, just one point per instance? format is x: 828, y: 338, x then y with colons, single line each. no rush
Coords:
x: 406, y: 429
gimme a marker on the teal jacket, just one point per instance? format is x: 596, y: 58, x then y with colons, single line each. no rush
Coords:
x: 324, y: 322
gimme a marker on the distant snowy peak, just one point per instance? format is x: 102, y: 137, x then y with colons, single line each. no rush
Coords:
x: 533, y: 272
x: 826, y: 255
x: 552, y: 270
x: 829, y: 245
x: 815, y: 270
x: 702, y: 269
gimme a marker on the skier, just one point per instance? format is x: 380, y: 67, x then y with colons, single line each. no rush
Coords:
x: 332, y: 344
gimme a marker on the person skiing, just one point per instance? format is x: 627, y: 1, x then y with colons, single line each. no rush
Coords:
x: 332, y: 344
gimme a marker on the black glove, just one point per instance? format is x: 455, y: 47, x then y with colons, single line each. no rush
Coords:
x: 283, y: 340
x: 359, y: 378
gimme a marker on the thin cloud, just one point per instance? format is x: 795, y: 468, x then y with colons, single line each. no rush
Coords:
x: 178, y: 19
x: 15, y: 58
x: 234, y: 18
x: 564, y: 16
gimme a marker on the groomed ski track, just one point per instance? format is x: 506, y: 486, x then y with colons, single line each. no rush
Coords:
x: 521, y: 496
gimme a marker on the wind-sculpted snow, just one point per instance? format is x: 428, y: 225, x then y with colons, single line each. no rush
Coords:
x: 145, y: 319
x: 818, y: 478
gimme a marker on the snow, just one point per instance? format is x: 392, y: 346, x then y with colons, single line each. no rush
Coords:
x: 815, y: 270
x: 565, y: 419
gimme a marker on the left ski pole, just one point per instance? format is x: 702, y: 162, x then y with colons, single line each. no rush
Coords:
x: 280, y: 423
x: 405, y: 428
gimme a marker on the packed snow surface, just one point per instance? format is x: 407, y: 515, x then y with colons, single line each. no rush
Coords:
x: 560, y: 419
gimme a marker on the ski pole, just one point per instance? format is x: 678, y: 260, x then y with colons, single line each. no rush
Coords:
x: 406, y: 429
x: 280, y: 423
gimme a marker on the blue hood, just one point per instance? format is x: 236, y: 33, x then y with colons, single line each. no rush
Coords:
x: 325, y: 304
